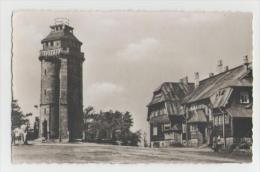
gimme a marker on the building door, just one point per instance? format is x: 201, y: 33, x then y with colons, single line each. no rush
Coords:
x: 202, y: 133
x: 44, y: 129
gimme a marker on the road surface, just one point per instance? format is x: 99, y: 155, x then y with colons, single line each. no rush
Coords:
x: 98, y: 153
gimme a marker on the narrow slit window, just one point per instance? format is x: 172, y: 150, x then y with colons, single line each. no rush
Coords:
x: 45, y: 92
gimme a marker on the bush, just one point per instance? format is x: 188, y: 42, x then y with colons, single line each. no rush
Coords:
x: 244, y: 145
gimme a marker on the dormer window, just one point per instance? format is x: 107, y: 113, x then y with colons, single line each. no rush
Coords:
x: 244, y: 97
x: 220, y: 93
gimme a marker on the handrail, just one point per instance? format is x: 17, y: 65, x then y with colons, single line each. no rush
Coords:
x: 54, y: 52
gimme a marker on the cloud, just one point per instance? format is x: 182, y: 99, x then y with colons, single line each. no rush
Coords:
x: 105, y: 95
x: 140, y: 50
x: 199, y: 18
x: 106, y: 88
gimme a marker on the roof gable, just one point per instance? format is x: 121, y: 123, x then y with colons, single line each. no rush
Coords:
x: 230, y: 78
x: 171, y: 91
x: 172, y: 94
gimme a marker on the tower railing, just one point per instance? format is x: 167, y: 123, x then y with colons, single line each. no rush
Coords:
x: 54, y: 52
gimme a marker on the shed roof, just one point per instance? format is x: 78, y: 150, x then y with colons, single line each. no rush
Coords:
x: 230, y: 78
x: 240, y: 111
x: 161, y: 119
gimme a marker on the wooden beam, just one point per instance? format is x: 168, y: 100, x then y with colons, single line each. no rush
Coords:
x: 224, y: 131
x: 232, y: 126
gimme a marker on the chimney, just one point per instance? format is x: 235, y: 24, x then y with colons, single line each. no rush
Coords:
x: 211, y: 74
x: 245, y: 60
x: 226, y: 68
x: 184, y: 80
x: 220, y: 66
x: 197, y: 79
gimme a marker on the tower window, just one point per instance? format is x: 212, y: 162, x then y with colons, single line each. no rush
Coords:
x: 45, y: 92
x: 45, y: 72
x: 44, y: 110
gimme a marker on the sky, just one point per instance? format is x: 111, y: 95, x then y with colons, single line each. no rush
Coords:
x: 130, y: 53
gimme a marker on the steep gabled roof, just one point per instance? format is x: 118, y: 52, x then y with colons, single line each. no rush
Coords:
x: 231, y: 78
x: 171, y: 91
x: 172, y: 94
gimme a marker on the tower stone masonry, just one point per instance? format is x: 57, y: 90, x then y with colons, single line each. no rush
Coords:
x: 61, y: 104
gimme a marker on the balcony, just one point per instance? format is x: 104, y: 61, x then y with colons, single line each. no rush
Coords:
x: 54, y: 52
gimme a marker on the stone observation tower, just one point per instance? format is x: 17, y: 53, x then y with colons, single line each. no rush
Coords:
x: 61, y: 109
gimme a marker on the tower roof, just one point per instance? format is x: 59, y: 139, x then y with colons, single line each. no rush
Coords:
x: 60, y: 32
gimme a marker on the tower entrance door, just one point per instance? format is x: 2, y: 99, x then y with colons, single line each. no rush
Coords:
x: 44, y: 129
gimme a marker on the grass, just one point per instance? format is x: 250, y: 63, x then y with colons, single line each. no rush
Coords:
x: 98, y: 153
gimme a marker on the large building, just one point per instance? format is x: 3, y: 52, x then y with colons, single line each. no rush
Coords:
x: 219, y: 106
x: 166, y: 113
x: 61, y: 106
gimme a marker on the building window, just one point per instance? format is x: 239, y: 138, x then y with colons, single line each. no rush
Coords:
x: 220, y: 120
x: 167, y: 127
x: 161, y: 112
x: 45, y: 72
x: 193, y: 127
x: 184, y: 128
x: 244, y: 97
x: 154, y: 131
x: 44, y: 110
x: 45, y: 92
x: 210, y: 117
x: 216, y: 120
x: 226, y: 119
x: 152, y: 114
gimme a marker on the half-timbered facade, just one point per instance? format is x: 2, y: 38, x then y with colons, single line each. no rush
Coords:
x: 221, y: 106
x: 166, y: 114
